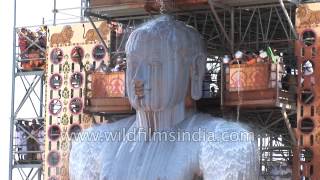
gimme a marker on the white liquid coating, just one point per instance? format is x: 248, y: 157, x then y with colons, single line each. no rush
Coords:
x: 161, y: 54
x: 166, y: 160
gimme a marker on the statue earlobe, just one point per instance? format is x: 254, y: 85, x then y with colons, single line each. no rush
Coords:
x: 198, y: 70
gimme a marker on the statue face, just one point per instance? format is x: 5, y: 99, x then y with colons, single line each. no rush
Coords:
x: 155, y: 83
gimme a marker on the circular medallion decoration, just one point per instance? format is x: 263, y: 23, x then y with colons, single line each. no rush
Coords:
x: 55, y: 81
x: 75, y: 105
x: 53, y: 178
x: 55, y: 106
x: 53, y: 158
x: 54, y: 132
x: 77, y: 54
x: 74, y: 130
x: 76, y: 80
x: 56, y: 55
x: 306, y: 125
x: 307, y: 96
x: 308, y: 38
x: 98, y: 52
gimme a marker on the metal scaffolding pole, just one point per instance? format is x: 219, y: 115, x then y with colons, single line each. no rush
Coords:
x: 55, y: 11
x: 232, y: 30
x: 27, y: 169
x: 12, y: 116
x: 41, y: 97
x: 212, y: 7
x: 98, y: 32
x: 288, y: 19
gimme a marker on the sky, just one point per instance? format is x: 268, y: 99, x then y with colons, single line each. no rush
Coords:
x: 29, y: 13
x: 6, y: 26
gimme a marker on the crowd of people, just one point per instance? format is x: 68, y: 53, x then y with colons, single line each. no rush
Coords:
x: 29, y: 140
x: 286, y: 75
x: 120, y: 65
x: 32, y: 48
x: 250, y: 58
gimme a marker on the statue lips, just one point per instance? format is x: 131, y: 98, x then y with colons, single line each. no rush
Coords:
x: 142, y: 95
x: 138, y: 87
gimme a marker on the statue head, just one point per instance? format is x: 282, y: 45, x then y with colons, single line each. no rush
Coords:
x: 163, y: 57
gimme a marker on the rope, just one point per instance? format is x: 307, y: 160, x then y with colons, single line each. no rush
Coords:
x: 238, y: 90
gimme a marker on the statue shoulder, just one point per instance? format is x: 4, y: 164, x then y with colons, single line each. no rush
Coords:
x: 90, y: 145
x: 227, y: 150
x: 97, y: 133
x: 211, y: 123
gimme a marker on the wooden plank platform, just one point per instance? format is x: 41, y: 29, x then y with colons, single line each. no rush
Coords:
x: 109, y: 105
x: 123, y: 8
x: 245, y: 3
x: 258, y: 99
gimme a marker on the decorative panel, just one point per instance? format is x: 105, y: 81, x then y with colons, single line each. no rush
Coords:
x: 72, y: 50
x: 306, y: 153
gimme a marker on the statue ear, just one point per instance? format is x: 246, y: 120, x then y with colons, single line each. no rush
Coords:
x: 197, y: 74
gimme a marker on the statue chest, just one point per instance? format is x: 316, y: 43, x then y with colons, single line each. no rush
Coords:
x: 152, y: 161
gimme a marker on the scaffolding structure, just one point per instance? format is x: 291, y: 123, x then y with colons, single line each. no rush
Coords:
x: 226, y: 26
x: 27, y: 102
x: 23, y: 157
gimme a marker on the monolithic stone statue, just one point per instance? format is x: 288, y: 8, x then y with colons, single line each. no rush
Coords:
x: 164, y: 140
